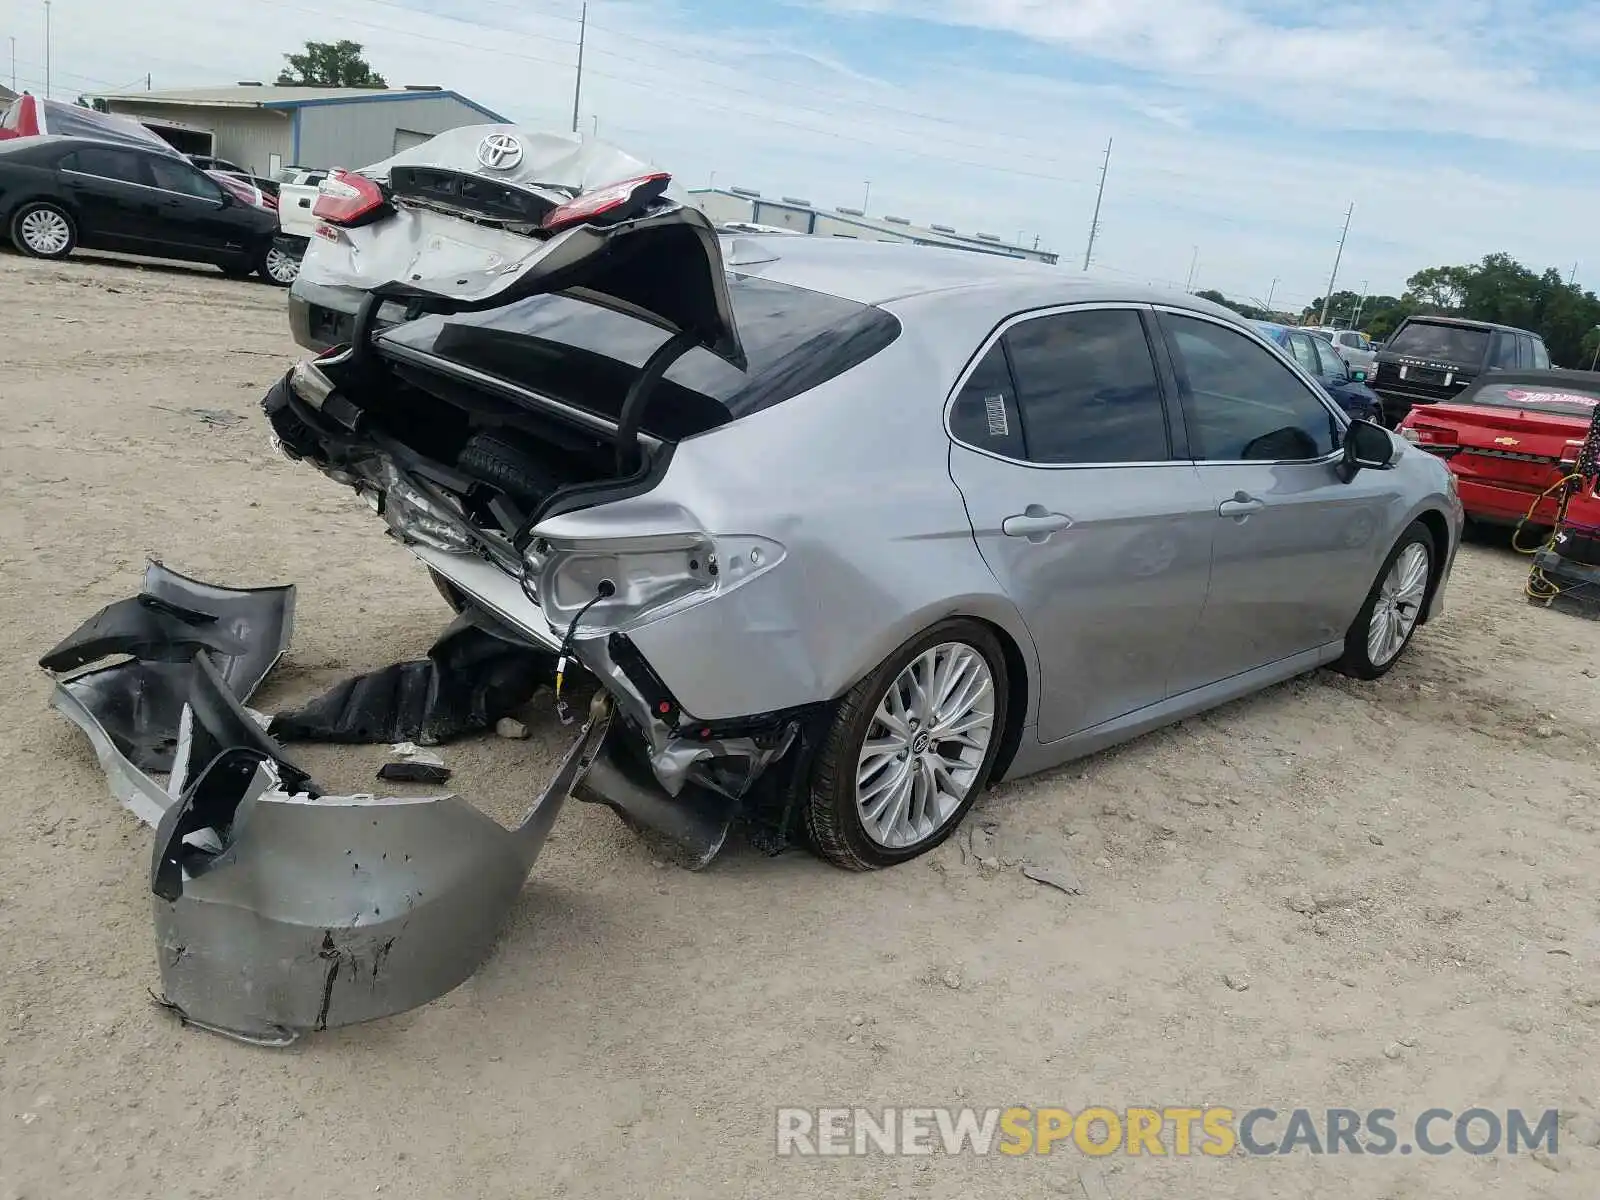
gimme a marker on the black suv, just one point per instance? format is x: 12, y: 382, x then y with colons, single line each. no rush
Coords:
x: 1430, y: 359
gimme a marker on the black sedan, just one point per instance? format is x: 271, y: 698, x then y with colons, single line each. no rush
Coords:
x: 57, y: 193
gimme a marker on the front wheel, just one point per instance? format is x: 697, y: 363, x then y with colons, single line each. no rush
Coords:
x: 1383, y: 627
x: 910, y: 748
x: 43, y: 230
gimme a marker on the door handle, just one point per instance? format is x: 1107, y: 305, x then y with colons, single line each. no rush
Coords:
x: 1241, y: 506
x: 1036, y: 523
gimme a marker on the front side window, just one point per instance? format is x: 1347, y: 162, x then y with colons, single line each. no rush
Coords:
x: 1241, y: 403
x: 1503, y: 352
x: 175, y: 176
x: 1087, y: 389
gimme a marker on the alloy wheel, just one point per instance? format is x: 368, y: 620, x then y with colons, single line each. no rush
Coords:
x: 1398, y: 604
x: 46, y: 232
x: 282, y: 267
x: 925, y: 745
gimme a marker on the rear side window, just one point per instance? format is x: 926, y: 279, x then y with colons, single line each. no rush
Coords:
x: 1541, y: 356
x: 1304, y: 349
x: 985, y: 415
x: 1503, y: 351
x: 1087, y: 389
x: 1446, y: 343
x: 106, y: 163
x: 1241, y: 402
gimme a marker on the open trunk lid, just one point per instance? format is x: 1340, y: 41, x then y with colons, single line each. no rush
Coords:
x: 475, y: 219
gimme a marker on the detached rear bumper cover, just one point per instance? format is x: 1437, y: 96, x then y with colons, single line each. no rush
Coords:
x: 278, y: 908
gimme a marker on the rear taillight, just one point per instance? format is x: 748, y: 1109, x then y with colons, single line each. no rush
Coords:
x: 346, y: 197
x: 611, y: 199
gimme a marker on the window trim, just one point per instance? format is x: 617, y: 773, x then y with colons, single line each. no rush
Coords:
x: 149, y: 187
x: 1282, y: 355
x: 1177, y: 439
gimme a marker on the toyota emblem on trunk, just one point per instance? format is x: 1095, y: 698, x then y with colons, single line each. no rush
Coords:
x: 499, y: 152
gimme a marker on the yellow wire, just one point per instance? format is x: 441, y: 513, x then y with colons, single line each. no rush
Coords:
x: 1517, y: 532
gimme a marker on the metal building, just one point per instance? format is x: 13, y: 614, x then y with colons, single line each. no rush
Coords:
x: 728, y: 206
x: 263, y: 128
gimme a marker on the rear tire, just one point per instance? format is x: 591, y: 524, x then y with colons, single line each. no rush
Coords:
x: 1382, y: 629
x: 43, y: 230
x: 277, y: 265
x: 878, y: 797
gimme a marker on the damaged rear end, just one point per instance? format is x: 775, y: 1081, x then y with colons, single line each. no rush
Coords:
x: 511, y: 399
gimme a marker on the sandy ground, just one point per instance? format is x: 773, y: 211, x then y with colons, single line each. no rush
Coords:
x: 1401, y: 876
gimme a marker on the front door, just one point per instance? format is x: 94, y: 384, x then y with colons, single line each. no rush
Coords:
x: 1294, y: 550
x: 1101, y: 535
x: 195, y: 220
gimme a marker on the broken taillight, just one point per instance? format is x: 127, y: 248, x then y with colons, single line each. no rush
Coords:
x: 347, y: 198
x: 614, y: 200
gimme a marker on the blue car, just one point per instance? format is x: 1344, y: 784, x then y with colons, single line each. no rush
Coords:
x: 1322, y: 362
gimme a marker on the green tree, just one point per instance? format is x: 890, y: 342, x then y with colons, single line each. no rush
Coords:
x: 330, y: 64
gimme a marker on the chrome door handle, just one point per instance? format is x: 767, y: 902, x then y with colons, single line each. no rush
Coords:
x: 1242, y: 505
x: 1036, y: 523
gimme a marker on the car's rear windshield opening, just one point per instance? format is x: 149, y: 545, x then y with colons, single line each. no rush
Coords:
x: 1447, y: 343
x: 1559, y: 400
x: 588, y: 356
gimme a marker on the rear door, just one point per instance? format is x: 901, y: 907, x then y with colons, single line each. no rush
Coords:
x: 1084, y: 506
x: 116, y: 208
x: 1294, y: 550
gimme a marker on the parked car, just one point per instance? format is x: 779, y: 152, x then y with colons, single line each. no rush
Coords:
x: 850, y: 529
x: 58, y: 193
x: 1509, y: 438
x: 1429, y: 359
x: 1318, y: 358
x: 450, y: 174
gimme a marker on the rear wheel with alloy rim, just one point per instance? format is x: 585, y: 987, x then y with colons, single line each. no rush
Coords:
x: 43, y: 230
x: 1383, y: 627
x: 910, y: 748
x: 278, y: 266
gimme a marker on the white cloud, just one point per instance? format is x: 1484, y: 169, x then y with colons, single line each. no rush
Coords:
x: 985, y: 147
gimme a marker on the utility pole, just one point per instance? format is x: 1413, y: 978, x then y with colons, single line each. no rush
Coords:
x: 1193, y: 263
x: 597, y: 125
x: 577, y: 84
x: 1270, y: 290
x: 47, y: 49
x: 147, y: 81
x: 868, y: 197
x: 1360, y: 304
x: 1337, y: 255
x: 1094, y: 222
x: 1571, y: 279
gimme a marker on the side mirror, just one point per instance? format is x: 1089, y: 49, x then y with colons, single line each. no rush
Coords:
x: 1366, y: 446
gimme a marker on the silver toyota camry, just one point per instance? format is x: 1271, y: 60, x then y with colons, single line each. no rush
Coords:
x: 834, y: 535
x: 848, y: 531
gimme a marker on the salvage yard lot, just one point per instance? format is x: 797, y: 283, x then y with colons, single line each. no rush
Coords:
x: 1398, y: 881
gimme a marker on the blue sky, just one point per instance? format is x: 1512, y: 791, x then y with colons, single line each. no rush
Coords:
x: 1242, y: 130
